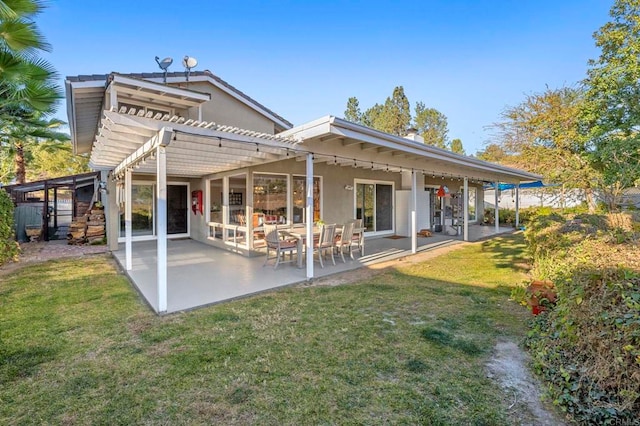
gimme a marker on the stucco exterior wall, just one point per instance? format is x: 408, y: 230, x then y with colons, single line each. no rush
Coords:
x: 225, y: 109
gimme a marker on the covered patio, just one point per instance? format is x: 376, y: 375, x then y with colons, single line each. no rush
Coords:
x: 199, y: 274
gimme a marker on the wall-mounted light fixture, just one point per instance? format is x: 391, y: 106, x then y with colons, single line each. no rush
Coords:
x: 348, y: 187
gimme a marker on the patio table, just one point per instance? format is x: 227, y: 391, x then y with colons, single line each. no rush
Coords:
x: 300, y: 234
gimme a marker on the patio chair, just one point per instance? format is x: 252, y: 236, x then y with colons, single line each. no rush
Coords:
x: 345, y: 240
x: 325, y: 243
x: 357, y: 240
x: 280, y: 246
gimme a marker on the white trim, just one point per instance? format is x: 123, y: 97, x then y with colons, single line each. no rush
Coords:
x: 149, y: 84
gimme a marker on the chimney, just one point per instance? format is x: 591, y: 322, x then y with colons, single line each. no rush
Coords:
x: 412, y: 134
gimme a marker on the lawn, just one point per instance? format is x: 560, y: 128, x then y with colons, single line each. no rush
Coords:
x: 407, y: 346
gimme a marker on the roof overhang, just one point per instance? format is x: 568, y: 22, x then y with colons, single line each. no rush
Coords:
x: 86, y: 100
x: 338, y: 141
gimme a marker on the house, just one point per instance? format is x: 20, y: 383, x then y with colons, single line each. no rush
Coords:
x: 198, y: 158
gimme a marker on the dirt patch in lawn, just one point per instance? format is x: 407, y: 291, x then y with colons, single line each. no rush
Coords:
x: 42, y: 251
x: 508, y: 368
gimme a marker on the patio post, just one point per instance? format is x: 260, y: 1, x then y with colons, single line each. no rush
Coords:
x: 127, y: 218
x: 465, y: 200
x: 496, y: 213
x: 517, y: 205
x: 164, y: 137
x: 309, y: 218
x: 414, y: 203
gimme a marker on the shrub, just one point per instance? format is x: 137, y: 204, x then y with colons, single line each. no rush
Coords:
x: 8, y: 245
x: 588, y: 347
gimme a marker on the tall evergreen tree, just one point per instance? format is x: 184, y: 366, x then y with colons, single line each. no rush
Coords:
x: 352, y: 113
x: 432, y: 125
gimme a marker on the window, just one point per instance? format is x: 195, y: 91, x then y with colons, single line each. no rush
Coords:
x: 270, y: 197
x: 299, y: 194
x: 473, y: 196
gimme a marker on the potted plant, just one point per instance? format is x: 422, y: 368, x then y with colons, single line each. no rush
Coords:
x: 541, y: 295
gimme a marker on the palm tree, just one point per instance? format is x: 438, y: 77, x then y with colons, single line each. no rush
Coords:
x: 26, y: 81
x: 28, y: 92
x: 22, y: 131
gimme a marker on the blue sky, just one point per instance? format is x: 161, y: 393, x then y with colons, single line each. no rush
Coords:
x: 468, y: 59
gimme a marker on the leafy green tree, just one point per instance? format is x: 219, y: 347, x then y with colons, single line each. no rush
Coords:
x: 456, y: 146
x: 352, y: 113
x: 494, y: 153
x: 432, y: 125
x: 50, y: 159
x: 27, y: 82
x: 544, y: 134
x: 613, y: 95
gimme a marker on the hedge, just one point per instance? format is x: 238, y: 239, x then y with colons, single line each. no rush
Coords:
x: 587, y: 347
x: 8, y: 245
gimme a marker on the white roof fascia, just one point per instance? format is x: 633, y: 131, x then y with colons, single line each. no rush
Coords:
x: 161, y: 88
x: 230, y: 93
x: 356, y: 131
x: 71, y: 114
x: 314, y: 128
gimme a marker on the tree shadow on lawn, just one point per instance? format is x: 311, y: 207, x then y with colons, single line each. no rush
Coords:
x: 509, y: 252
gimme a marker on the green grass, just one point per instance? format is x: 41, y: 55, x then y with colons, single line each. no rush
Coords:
x: 407, y: 346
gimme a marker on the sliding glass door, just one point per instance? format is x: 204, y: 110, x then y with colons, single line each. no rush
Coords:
x: 143, y: 211
x: 374, y: 205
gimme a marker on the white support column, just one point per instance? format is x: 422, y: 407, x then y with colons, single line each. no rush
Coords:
x: 225, y: 203
x: 249, y: 209
x: 517, y: 205
x: 496, y: 212
x: 199, y: 112
x: 164, y: 137
x: 413, y: 209
x: 465, y: 217
x: 161, y: 225
x: 127, y: 219
x: 309, y: 218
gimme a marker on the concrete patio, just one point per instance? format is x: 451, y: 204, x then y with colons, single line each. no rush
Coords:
x: 199, y: 275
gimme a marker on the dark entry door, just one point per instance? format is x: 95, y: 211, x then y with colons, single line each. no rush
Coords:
x: 177, y: 209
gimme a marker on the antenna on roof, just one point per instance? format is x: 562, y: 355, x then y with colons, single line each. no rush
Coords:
x: 164, y: 64
x: 188, y: 62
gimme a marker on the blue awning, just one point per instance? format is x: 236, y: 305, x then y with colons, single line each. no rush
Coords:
x: 503, y: 186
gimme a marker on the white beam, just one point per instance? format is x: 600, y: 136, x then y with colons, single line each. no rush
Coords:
x: 127, y: 220
x: 517, y: 205
x: 465, y: 217
x: 414, y: 207
x: 309, y: 218
x: 161, y: 139
x: 496, y: 213
x: 161, y: 225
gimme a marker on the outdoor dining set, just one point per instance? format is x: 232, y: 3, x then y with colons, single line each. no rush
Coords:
x: 329, y: 240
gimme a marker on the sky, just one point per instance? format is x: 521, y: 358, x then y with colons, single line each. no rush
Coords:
x: 304, y: 59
